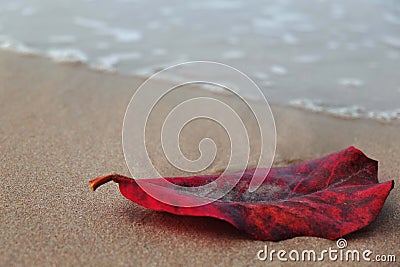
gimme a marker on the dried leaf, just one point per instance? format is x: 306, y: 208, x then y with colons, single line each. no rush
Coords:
x: 328, y: 197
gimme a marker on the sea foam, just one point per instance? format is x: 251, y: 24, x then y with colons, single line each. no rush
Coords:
x: 7, y: 43
x: 350, y: 112
x: 67, y: 55
x: 101, y: 28
x: 109, y: 62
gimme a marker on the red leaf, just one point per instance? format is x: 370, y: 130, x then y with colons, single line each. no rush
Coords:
x: 327, y: 197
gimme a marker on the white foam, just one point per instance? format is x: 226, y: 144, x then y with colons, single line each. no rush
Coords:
x: 307, y: 58
x: 352, y: 112
x: 12, y: 6
x: 267, y: 84
x: 278, y: 70
x: 392, y: 41
x: 90, y: 23
x: 166, y: 11
x: 214, y: 88
x: 337, y: 12
x: 332, y: 45
x: 290, y: 39
x: 318, y: 106
x: 277, y: 20
x: 159, y: 51
x: 28, y: 11
x: 7, y: 43
x: 67, y: 55
x: 304, y: 28
x: 389, y: 115
x: 146, y: 72
x: 62, y: 39
x: 261, y: 75
x: 218, y: 4
x: 351, y: 82
x: 233, y: 54
x: 263, y: 23
x: 123, y: 35
x: 109, y: 62
x: 393, y: 19
x: 308, y: 104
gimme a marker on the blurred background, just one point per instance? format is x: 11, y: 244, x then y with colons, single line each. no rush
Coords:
x: 340, y: 57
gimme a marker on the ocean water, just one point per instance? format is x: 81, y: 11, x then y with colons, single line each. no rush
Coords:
x: 340, y: 57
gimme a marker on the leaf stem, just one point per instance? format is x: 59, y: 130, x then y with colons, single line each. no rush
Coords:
x: 96, y: 182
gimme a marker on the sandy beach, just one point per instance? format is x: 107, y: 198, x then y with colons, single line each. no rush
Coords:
x: 60, y: 126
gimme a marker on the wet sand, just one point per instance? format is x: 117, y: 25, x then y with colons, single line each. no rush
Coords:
x: 61, y: 126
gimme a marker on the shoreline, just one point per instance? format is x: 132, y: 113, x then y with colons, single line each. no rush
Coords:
x: 312, y: 105
x: 61, y: 126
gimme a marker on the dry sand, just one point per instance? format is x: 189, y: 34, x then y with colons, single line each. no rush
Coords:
x: 60, y: 125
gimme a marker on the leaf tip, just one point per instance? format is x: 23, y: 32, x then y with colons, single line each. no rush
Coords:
x: 354, y: 149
